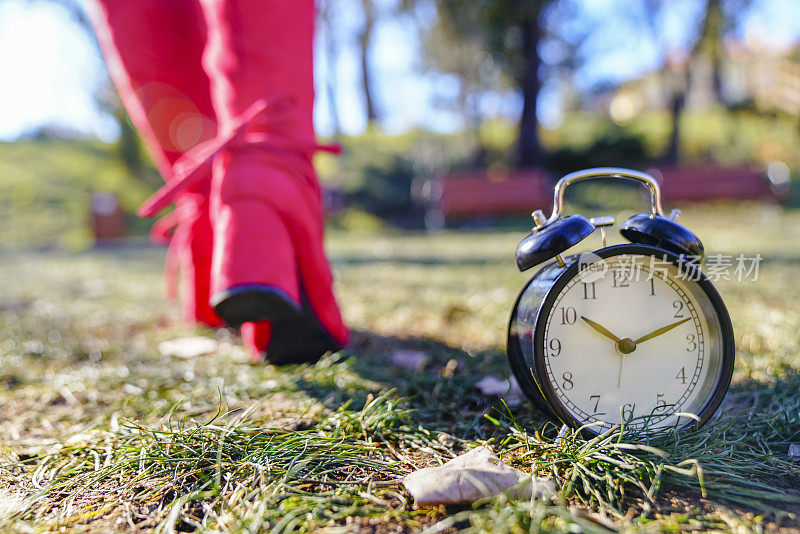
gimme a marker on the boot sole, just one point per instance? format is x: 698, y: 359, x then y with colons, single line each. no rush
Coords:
x: 297, y: 334
x: 242, y: 304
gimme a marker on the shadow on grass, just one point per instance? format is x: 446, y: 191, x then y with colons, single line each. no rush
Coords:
x: 443, y: 396
x: 441, y: 391
x: 768, y: 412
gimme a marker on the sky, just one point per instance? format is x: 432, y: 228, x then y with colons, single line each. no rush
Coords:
x: 50, y: 69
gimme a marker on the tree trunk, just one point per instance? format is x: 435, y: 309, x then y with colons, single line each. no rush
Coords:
x: 672, y: 154
x: 710, y: 43
x: 529, y: 146
x: 364, y: 41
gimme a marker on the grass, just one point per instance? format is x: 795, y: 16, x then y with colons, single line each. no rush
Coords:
x: 47, y: 187
x: 103, y: 433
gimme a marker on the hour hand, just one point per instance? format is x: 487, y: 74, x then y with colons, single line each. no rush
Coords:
x: 600, y: 328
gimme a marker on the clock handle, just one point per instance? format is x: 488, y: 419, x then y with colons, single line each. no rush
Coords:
x: 606, y: 172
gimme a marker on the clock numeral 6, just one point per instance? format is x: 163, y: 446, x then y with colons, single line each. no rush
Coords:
x: 568, y: 315
x: 555, y: 347
x: 627, y: 411
x: 567, y: 385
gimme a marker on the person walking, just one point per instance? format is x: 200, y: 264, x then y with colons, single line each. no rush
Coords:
x: 221, y: 92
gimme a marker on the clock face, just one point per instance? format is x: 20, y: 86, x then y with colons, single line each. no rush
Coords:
x: 631, y: 340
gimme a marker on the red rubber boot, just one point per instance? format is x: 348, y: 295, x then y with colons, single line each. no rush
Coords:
x: 269, y: 263
x: 154, y: 50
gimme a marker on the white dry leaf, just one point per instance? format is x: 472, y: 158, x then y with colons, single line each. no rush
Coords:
x: 492, y: 386
x: 412, y: 360
x: 514, y: 396
x: 472, y: 476
x: 794, y: 449
x: 506, y: 388
x: 188, y: 347
x: 11, y: 503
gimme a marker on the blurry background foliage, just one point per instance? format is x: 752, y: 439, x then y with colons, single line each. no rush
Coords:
x: 521, y: 79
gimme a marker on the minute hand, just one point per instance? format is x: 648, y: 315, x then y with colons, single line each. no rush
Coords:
x: 661, y: 330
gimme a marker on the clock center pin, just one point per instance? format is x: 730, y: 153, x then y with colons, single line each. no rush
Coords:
x: 626, y: 345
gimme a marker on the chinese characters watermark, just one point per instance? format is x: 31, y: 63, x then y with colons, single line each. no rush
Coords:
x: 716, y: 267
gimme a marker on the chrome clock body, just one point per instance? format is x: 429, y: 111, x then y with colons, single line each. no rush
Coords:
x: 636, y: 336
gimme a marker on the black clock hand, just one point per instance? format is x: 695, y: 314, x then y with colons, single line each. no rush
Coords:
x: 662, y: 330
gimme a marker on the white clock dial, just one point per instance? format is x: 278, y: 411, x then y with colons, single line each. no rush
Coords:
x: 634, y: 345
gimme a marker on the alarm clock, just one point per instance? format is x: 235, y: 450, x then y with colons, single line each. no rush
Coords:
x: 633, y: 335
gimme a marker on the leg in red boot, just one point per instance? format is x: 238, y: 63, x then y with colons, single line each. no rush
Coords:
x: 195, y: 254
x: 254, y: 268
x: 269, y: 262
x: 153, y: 49
x: 265, y: 202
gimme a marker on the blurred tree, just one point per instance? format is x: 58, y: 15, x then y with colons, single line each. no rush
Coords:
x: 614, y: 146
x: 521, y: 18
x: 128, y: 145
x: 674, y: 72
x: 386, y: 187
x: 327, y: 15
x: 510, y: 31
x: 365, y: 35
x: 710, y: 43
x: 706, y: 40
x: 465, y: 57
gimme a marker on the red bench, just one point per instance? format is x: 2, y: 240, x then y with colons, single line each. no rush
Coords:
x: 710, y: 182
x: 483, y: 193
x: 486, y: 193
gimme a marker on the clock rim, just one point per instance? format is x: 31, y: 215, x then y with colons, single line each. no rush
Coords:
x: 554, y: 407
x: 516, y: 359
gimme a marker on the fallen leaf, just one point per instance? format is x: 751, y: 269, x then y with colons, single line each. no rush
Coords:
x: 506, y: 388
x: 187, y: 347
x: 450, y: 368
x: 14, y: 305
x: 412, y: 360
x: 446, y: 439
x: 492, y: 386
x: 472, y: 476
x: 11, y: 503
